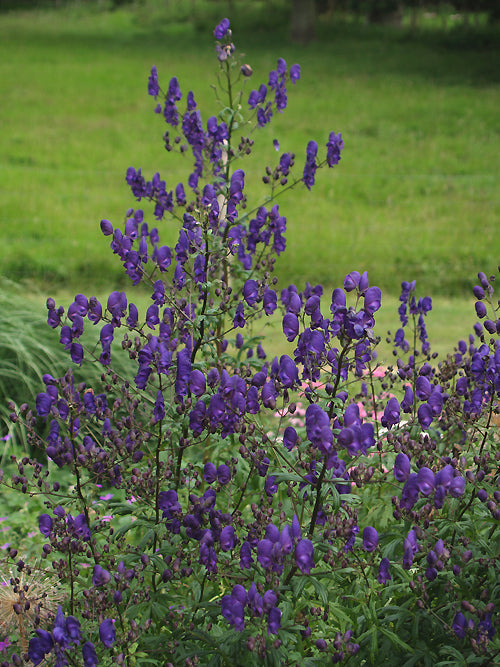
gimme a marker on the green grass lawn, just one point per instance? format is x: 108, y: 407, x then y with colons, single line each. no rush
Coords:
x: 415, y: 195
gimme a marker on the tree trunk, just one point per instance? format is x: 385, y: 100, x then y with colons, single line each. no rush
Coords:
x: 303, y: 21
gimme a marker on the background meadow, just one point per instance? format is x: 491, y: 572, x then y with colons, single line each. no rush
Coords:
x: 414, y: 197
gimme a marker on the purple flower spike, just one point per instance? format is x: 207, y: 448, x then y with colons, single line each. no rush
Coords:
x: 370, y: 539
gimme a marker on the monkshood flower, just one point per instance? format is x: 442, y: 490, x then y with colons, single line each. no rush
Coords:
x: 107, y: 633
x: 410, y: 548
x: 402, y: 467
x: 383, y: 571
x: 334, y: 147
x: 65, y: 635
x: 310, y: 166
x: 222, y: 29
x: 370, y: 539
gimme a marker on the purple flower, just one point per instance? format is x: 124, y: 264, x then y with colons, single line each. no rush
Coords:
x: 89, y: 655
x: 197, y: 383
x: 459, y: 625
x: 304, y: 552
x: 370, y: 539
x: 246, y: 559
x: 153, y: 87
x: 310, y: 165
x: 227, y: 538
x: 288, y: 372
x: 270, y: 301
x: 410, y: 547
x: 233, y: 611
x: 168, y: 501
x: 209, y: 472
x: 251, y: 291
x: 423, y: 388
x: 183, y: 372
x: 290, y: 326
x: 45, y: 524
x: 290, y: 437
x: 294, y: 73
x: 425, y: 415
x: 391, y: 413
x: 159, y: 408
x: 383, y: 571
x: 425, y: 481
x: 39, y: 646
x: 107, y: 633
x: 333, y: 148
x: 274, y: 621
x: 373, y: 297
x: 223, y: 474
x: 221, y: 29
x: 402, y: 467
x: 100, y: 576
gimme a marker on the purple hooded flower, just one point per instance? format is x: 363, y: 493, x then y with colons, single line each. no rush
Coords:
x: 45, y: 524
x: 290, y: 326
x: 89, y: 655
x: 288, y: 372
x: 402, y: 467
x: 233, y: 611
x: 333, y: 148
x: 228, y: 538
x: 423, y: 388
x: 383, y: 571
x: 107, y: 633
x: 310, y: 165
x: 294, y: 73
x: 39, y: 646
x: 373, y: 297
x: 246, y: 559
x: 100, y: 576
x: 370, y: 539
x: 221, y: 29
x: 197, y: 383
x: 251, y: 292
x: 425, y: 481
x: 183, y: 372
x: 223, y: 474
x: 425, y: 415
x: 391, y: 413
x: 159, y: 408
x: 274, y: 621
x: 304, y: 552
x: 290, y: 437
x: 459, y: 625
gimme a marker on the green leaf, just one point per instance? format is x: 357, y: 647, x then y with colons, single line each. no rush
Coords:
x: 395, y: 639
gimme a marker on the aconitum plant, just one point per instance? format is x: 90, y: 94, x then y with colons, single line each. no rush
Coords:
x: 217, y: 505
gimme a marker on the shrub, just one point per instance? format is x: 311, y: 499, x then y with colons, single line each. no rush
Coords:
x: 219, y: 507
